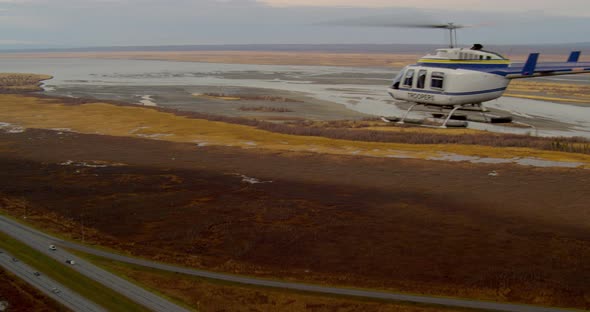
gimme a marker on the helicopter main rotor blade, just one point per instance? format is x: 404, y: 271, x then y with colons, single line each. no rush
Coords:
x: 382, y: 21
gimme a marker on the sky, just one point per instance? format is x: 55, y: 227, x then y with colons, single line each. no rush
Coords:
x: 88, y: 23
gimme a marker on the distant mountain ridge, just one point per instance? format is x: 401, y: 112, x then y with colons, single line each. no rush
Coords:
x: 325, y: 48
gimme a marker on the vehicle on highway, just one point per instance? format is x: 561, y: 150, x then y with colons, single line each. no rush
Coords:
x: 72, y: 262
x: 37, y: 274
x: 14, y: 260
x: 52, y: 247
x: 55, y: 290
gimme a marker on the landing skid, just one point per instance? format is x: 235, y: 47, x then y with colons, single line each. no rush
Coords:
x: 445, y: 123
x: 452, y: 119
x: 426, y: 122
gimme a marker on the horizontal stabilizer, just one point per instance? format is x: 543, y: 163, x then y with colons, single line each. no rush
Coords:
x: 530, y: 65
x: 574, y: 57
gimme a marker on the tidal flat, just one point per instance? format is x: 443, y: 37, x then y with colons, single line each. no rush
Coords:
x: 324, y: 92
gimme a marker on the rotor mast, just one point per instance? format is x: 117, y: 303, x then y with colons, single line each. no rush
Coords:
x: 452, y: 33
x: 452, y: 27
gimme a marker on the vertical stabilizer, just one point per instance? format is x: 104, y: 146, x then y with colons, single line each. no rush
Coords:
x: 574, y: 57
x: 530, y: 65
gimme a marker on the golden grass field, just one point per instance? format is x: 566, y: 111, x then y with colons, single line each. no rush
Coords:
x: 550, y: 91
x: 133, y: 121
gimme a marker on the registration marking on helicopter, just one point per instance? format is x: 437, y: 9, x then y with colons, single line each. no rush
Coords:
x: 421, y: 96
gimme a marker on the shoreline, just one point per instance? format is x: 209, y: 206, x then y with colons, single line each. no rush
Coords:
x: 301, y: 58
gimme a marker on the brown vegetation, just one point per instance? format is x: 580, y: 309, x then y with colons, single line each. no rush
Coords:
x: 246, y: 97
x: 210, y: 296
x: 349, y: 130
x: 266, y: 109
x: 517, y: 236
x: 23, y: 298
x: 10, y: 82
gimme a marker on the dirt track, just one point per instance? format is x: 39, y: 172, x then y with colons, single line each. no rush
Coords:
x: 420, y: 226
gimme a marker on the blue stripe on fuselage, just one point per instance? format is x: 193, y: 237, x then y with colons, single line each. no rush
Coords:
x: 453, y: 93
x: 542, y: 69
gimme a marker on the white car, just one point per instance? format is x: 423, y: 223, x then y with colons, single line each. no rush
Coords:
x: 52, y: 247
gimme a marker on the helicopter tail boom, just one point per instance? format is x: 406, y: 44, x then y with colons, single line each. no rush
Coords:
x: 532, y: 68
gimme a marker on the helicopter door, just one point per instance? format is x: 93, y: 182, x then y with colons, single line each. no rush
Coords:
x: 421, y: 81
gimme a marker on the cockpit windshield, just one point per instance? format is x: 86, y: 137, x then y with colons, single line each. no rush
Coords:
x: 398, y: 78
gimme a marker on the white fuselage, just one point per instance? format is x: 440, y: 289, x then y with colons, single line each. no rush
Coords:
x: 446, y: 86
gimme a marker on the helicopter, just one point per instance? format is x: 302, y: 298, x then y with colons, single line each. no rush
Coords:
x: 456, y: 77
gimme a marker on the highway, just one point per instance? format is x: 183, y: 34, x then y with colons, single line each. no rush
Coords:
x: 41, y: 240
x: 48, y: 286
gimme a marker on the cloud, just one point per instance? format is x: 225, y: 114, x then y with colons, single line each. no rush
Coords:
x: 564, y: 7
x: 160, y: 22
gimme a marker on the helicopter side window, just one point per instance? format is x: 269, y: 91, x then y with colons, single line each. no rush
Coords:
x: 409, y: 78
x: 437, y: 80
x: 421, y: 81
